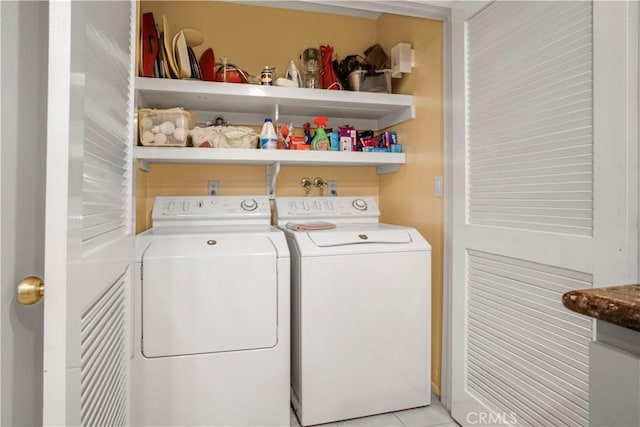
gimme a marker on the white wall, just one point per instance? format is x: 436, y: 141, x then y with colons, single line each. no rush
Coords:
x: 24, y: 34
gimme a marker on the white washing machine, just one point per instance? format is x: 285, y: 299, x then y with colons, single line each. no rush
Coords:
x: 211, y: 315
x: 361, y: 310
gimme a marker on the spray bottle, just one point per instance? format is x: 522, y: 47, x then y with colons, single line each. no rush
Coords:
x: 320, y: 140
x: 307, y: 133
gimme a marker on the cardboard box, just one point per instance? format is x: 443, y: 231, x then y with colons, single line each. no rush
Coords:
x: 386, y: 139
x: 348, y: 138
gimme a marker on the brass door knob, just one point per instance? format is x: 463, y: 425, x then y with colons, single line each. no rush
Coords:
x: 30, y: 290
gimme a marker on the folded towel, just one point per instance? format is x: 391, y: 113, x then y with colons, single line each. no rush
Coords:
x: 317, y: 225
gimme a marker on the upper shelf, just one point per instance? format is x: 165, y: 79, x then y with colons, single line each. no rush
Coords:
x: 249, y: 104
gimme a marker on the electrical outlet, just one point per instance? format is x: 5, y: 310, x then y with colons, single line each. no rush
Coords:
x: 213, y: 187
x: 332, y: 188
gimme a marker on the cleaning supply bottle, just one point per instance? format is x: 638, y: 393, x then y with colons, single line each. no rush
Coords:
x: 335, y: 141
x: 268, y: 136
x: 320, y: 140
x: 307, y: 133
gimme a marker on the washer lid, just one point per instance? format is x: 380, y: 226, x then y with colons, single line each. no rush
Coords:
x: 330, y: 238
x: 357, y: 238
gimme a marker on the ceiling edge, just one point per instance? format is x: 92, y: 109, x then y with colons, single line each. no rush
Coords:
x: 439, y: 10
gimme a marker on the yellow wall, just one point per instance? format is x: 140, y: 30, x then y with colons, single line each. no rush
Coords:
x: 191, y: 180
x: 141, y: 201
x: 252, y: 36
x: 405, y: 197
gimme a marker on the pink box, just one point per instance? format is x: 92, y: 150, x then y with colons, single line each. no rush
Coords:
x: 348, y: 138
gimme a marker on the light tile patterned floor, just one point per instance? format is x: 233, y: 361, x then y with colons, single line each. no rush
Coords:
x: 428, y: 416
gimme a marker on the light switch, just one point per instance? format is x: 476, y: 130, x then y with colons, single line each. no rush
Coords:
x: 437, y: 186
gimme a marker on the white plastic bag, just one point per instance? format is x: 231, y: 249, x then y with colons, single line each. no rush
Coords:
x: 224, y: 137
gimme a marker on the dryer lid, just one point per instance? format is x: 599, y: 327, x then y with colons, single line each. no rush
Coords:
x: 209, y: 244
x: 331, y: 238
x: 209, y: 294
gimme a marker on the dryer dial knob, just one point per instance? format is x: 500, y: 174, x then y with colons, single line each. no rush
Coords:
x: 249, y: 205
x: 359, y: 204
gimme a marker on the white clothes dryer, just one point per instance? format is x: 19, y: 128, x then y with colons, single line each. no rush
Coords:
x: 361, y: 310
x: 211, y: 315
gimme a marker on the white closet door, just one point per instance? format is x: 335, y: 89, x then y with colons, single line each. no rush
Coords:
x: 89, y: 237
x: 543, y: 129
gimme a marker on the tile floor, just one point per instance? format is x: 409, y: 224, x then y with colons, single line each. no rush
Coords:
x: 428, y: 416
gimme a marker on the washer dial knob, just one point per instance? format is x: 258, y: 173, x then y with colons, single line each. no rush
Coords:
x: 359, y: 204
x: 249, y: 205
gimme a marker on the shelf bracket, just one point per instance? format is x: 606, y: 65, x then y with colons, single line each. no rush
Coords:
x: 276, y: 115
x: 272, y: 174
x: 143, y: 164
x: 387, y: 169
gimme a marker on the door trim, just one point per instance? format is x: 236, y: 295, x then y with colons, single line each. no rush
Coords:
x: 623, y: 158
x: 447, y: 256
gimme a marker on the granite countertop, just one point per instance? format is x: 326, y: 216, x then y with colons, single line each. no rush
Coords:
x: 619, y: 305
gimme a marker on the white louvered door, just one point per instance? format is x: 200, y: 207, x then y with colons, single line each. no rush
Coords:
x: 89, y: 238
x: 545, y: 124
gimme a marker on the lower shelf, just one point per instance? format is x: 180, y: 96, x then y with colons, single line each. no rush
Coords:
x: 385, y: 162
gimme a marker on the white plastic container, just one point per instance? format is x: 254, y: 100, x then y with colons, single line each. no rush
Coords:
x: 163, y: 127
x: 268, y: 136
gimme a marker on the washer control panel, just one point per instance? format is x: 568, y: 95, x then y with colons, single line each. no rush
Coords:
x: 192, y: 210
x: 327, y: 208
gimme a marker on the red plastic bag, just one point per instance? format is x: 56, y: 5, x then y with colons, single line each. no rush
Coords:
x: 328, y: 78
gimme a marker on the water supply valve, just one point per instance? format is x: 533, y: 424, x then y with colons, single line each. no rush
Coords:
x: 320, y: 183
x: 306, y: 183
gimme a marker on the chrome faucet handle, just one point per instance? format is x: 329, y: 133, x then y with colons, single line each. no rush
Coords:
x: 320, y: 183
x: 306, y: 183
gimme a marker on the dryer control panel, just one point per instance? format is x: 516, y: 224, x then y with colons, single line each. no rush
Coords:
x: 333, y: 209
x: 203, y: 210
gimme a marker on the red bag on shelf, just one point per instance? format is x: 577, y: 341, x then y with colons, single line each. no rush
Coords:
x: 329, y: 79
